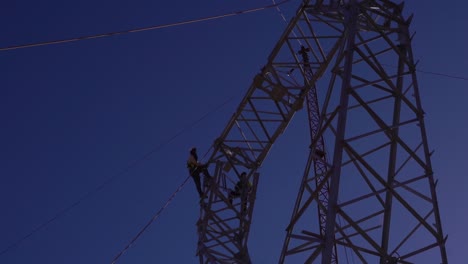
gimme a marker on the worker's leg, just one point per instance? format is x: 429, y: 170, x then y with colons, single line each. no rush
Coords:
x: 231, y: 196
x: 207, y: 178
x: 206, y: 172
x: 196, y: 178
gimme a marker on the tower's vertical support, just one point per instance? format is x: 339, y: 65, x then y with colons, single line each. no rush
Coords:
x: 350, y: 13
x: 381, y: 205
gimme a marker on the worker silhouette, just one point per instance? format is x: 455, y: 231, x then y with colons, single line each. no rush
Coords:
x: 195, y: 168
x: 242, y: 188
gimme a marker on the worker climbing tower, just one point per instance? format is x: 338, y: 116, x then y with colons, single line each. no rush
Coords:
x: 368, y: 193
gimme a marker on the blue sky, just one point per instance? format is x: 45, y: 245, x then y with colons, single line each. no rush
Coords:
x: 75, y: 115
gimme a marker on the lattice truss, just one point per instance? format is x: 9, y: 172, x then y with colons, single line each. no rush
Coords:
x: 371, y: 196
x: 367, y: 195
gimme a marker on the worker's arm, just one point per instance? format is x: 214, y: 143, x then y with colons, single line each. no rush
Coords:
x: 192, y: 160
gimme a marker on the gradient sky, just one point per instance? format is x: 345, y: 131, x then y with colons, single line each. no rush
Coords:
x: 75, y: 115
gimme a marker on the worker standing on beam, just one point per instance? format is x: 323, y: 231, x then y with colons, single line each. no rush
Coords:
x: 242, y: 190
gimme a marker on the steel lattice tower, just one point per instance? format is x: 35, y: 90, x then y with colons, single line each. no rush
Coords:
x: 368, y: 191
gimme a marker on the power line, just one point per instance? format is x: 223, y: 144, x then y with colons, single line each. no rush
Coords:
x: 434, y: 73
x: 274, y: 5
x: 103, y: 35
x: 112, y: 179
x: 421, y: 71
x: 281, y: 14
x: 444, y: 75
x: 156, y: 216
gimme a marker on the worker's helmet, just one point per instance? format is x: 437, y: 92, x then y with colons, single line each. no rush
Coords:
x: 192, y: 149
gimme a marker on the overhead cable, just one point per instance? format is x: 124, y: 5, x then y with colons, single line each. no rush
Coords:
x: 150, y: 221
x: 444, y: 75
x: 433, y: 73
x: 103, y: 35
x: 285, y: 21
x: 156, y: 216
x: 111, y: 179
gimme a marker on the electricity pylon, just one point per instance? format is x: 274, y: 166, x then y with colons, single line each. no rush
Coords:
x: 368, y: 190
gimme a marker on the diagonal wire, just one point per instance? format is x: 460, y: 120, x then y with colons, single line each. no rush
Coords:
x: 111, y: 179
x: 103, y: 35
x: 280, y: 12
x: 156, y: 216
x: 444, y: 75
x: 434, y: 73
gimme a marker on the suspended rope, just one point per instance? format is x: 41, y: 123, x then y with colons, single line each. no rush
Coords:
x: 156, y: 216
x: 434, y: 73
x: 103, y: 35
x: 280, y: 12
x: 111, y: 179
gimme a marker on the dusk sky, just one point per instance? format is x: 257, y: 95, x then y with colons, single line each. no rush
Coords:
x: 78, y: 114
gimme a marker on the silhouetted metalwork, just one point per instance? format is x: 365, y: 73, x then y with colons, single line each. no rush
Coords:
x: 368, y: 192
